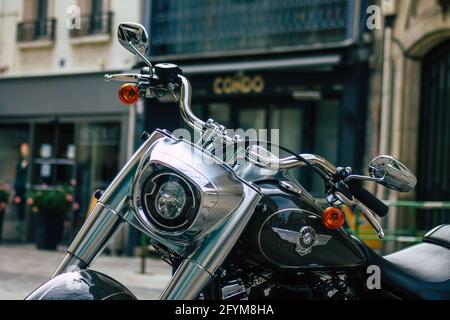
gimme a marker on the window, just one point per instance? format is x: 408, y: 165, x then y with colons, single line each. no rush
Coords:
x: 98, y: 152
x: 96, y: 12
x: 42, y: 12
x: 193, y: 26
x: 53, y: 154
x: 36, y: 24
x: 95, y: 18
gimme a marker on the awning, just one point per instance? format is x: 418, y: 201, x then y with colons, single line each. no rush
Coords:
x: 73, y: 94
x: 288, y: 63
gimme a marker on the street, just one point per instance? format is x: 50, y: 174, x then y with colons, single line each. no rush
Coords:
x: 268, y: 150
x: 23, y: 269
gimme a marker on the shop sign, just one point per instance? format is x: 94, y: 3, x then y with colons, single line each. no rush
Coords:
x: 99, y: 134
x: 238, y: 84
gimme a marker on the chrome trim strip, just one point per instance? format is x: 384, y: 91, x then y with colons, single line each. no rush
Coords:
x: 200, y: 266
x: 108, y: 208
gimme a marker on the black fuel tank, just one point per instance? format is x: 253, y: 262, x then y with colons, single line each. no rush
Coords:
x: 286, y: 232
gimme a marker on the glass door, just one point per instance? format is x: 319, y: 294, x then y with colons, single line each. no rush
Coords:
x: 98, y: 158
x: 54, y: 155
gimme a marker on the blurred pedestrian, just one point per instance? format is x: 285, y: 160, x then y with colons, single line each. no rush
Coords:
x: 20, y: 188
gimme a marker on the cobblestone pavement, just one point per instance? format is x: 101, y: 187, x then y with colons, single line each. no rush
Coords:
x: 23, y: 268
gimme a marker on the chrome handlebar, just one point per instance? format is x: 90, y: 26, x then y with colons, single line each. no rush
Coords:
x: 270, y: 163
x: 185, y: 105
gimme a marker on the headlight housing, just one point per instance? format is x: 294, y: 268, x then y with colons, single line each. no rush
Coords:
x: 169, y: 201
x: 180, y: 194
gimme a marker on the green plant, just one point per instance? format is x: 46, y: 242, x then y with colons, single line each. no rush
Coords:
x: 52, y: 201
x: 4, y: 196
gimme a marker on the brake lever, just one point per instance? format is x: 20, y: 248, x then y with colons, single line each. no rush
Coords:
x: 370, y: 217
x: 126, y: 77
x: 338, y: 198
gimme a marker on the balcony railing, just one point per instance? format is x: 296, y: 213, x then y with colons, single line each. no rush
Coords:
x: 94, y: 24
x: 36, y: 30
x: 202, y: 26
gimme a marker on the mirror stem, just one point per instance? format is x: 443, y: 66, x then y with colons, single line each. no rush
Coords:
x: 143, y: 57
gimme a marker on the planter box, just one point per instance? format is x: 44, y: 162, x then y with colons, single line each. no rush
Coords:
x: 49, y: 230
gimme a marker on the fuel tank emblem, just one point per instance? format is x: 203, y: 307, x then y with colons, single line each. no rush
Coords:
x: 304, y: 240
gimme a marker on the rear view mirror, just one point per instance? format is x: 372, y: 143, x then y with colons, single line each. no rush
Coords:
x: 392, y: 174
x: 133, y: 36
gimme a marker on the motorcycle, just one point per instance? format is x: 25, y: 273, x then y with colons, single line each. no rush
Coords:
x: 237, y: 225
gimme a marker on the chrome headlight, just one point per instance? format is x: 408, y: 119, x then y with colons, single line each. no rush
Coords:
x: 169, y: 201
x: 180, y: 194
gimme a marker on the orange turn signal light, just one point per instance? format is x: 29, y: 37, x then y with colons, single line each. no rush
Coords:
x: 129, y: 93
x: 333, y: 218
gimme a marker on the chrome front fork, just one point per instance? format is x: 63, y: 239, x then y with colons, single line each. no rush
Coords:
x: 106, y: 218
x: 198, y: 269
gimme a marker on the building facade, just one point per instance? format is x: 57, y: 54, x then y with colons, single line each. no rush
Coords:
x: 410, y: 102
x: 53, y: 56
x: 297, y: 66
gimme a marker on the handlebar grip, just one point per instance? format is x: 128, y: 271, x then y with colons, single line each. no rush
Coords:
x: 368, y: 199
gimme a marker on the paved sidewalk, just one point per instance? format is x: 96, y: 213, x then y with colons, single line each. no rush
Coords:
x: 23, y: 268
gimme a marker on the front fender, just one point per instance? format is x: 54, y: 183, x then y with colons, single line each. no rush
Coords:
x: 82, y: 285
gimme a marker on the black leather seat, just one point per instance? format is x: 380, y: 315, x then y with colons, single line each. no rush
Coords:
x: 421, y: 271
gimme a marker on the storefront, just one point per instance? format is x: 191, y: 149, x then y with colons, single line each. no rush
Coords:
x: 76, y: 131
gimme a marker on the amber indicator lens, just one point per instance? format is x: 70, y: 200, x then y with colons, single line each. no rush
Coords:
x: 333, y: 218
x: 129, y: 93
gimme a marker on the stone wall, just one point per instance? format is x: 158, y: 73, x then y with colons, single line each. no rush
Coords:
x: 417, y: 28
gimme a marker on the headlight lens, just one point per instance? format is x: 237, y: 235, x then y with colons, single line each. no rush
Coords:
x: 170, y: 200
